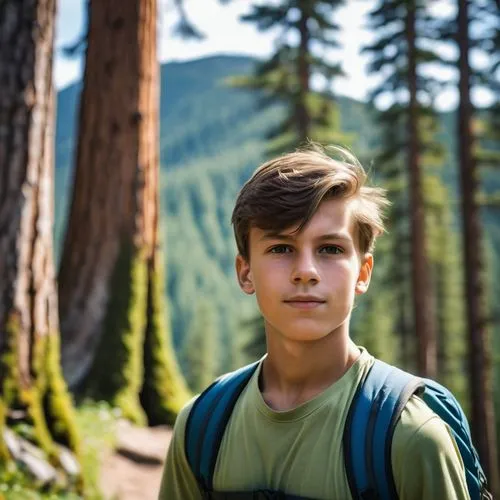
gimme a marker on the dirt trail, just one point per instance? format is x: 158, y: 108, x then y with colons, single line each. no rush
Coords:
x: 133, y: 471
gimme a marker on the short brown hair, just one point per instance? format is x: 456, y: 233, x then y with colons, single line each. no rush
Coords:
x: 288, y: 190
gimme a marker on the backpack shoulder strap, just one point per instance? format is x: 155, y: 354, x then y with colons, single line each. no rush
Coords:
x: 207, y: 421
x: 374, y: 412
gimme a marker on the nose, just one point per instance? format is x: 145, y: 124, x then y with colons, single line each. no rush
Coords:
x: 305, y: 270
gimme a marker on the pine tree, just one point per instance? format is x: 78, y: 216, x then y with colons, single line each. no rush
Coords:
x: 476, y: 149
x: 116, y: 344
x: 482, y: 410
x: 409, y: 124
x: 310, y: 113
x: 487, y: 149
x: 488, y: 154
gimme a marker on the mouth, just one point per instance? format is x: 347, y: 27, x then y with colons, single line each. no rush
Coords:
x: 305, y: 303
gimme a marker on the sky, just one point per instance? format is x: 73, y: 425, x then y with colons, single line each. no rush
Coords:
x: 225, y: 34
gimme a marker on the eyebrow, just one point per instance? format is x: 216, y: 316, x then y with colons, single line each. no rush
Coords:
x: 272, y: 235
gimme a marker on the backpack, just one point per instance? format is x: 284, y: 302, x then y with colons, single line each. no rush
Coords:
x: 376, y: 407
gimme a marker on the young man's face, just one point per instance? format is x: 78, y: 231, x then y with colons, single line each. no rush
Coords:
x: 305, y: 282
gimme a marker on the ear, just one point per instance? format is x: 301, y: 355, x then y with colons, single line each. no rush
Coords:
x: 365, y: 274
x: 244, y: 275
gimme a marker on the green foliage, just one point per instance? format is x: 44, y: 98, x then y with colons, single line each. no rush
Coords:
x: 375, y: 328
x: 392, y: 39
x: 201, y: 249
x: 286, y: 77
x: 164, y: 392
x: 97, y: 423
x: 11, y: 383
x: 445, y: 256
x: 253, y: 341
x: 200, y: 352
x: 373, y: 322
x: 4, y: 452
x: 57, y: 402
x: 17, y: 485
x: 50, y: 415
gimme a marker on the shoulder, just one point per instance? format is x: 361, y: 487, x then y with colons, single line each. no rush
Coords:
x: 425, y: 455
x: 178, y: 480
x: 420, y: 428
x: 182, y: 418
x: 230, y: 382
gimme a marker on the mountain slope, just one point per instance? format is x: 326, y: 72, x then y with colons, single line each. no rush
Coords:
x: 211, y: 140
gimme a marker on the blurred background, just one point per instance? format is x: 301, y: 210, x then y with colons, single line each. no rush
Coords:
x: 162, y: 110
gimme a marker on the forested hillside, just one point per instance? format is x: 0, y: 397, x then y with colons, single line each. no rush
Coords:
x: 212, y: 138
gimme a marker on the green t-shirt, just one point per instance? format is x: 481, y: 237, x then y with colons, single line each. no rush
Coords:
x: 299, y: 451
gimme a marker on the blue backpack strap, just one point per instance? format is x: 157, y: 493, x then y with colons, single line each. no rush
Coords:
x: 374, y: 412
x: 207, y: 421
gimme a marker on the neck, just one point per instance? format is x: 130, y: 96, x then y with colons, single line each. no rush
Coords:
x: 295, y: 372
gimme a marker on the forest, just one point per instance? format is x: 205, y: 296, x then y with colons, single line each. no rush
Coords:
x: 125, y: 293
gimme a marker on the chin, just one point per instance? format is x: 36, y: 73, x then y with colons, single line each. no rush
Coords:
x: 306, y: 335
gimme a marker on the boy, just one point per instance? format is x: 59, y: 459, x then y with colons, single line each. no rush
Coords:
x: 305, y: 227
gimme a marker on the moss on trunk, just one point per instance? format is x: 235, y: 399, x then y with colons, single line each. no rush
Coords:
x: 57, y: 402
x: 164, y: 391
x: 4, y: 452
x: 45, y: 397
x: 117, y: 372
x: 135, y: 368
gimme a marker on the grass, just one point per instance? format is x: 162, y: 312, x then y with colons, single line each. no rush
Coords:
x: 97, y: 425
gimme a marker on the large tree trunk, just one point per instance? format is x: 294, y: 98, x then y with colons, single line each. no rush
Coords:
x: 30, y: 376
x: 482, y: 410
x: 422, y: 297
x: 110, y: 282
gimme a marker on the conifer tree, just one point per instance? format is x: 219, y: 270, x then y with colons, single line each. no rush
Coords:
x: 286, y: 77
x: 482, y: 410
x: 408, y: 142
x: 473, y: 139
x: 488, y: 154
x: 488, y: 127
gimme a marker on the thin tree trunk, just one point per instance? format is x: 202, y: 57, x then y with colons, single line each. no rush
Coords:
x: 30, y: 375
x: 422, y: 302
x: 482, y: 410
x: 109, y: 264
x: 304, y: 76
x: 404, y: 316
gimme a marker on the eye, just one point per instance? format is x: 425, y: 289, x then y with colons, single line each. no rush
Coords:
x: 280, y: 249
x: 331, y: 249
